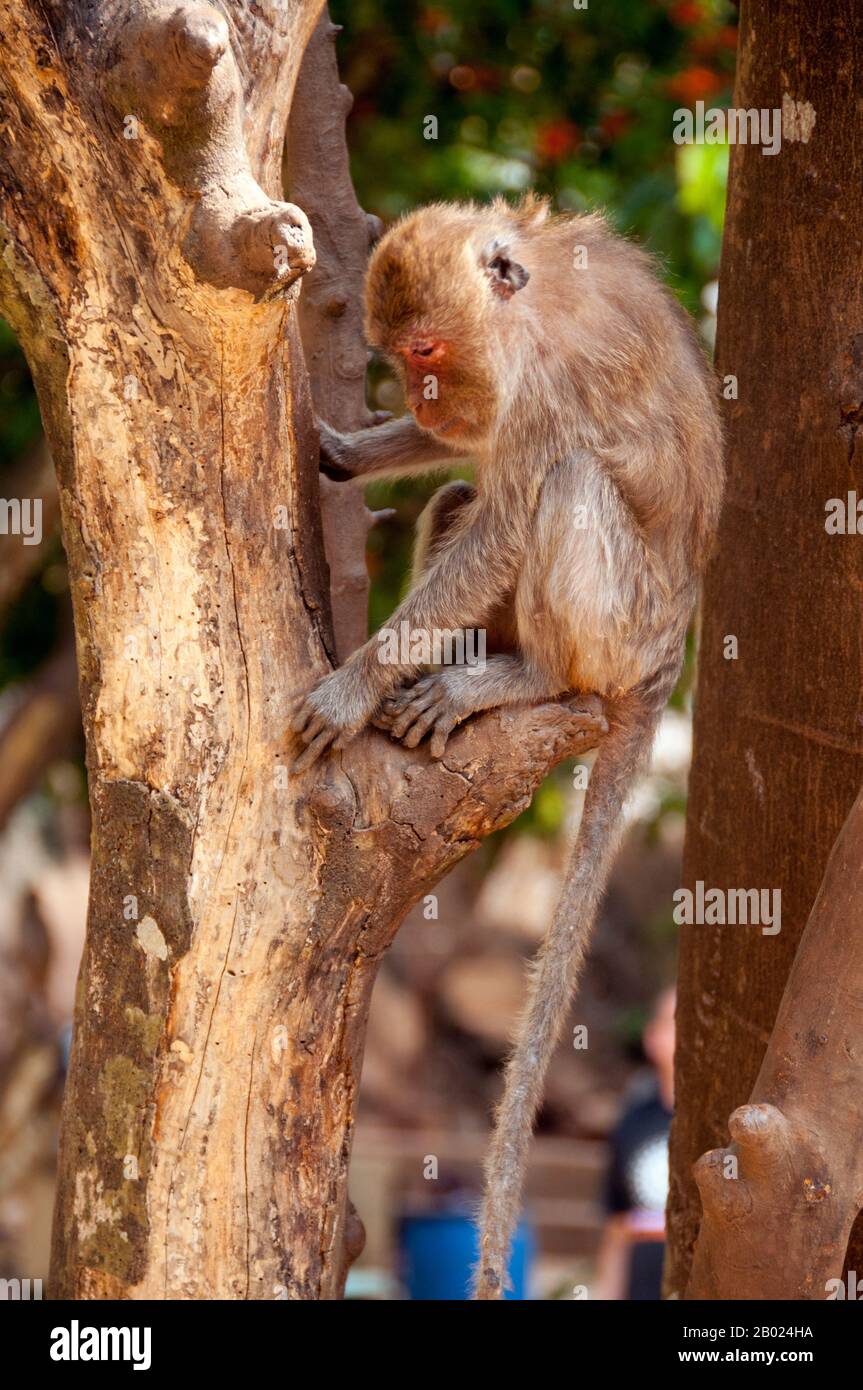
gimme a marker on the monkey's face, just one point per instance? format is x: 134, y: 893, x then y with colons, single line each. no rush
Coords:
x: 436, y: 290
x: 448, y: 395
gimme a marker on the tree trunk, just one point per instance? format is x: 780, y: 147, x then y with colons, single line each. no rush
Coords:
x: 778, y: 739
x: 780, y: 1201
x: 236, y: 916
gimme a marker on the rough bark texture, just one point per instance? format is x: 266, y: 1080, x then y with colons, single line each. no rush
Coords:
x: 776, y: 1221
x: 317, y: 173
x: 236, y: 917
x: 778, y: 740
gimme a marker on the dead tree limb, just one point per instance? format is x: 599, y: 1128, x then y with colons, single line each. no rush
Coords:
x: 780, y: 1201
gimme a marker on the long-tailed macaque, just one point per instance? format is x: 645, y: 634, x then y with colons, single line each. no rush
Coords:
x: 546, y: 348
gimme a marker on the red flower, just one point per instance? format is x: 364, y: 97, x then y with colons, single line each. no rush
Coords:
x: 686, y: 13
x: 432, y: 20
x: 556, y: 139
x: 462, y: 77
x: 694, y: 84
x: 487, y: 79
x: 706, y: 46
x: 614, y: 123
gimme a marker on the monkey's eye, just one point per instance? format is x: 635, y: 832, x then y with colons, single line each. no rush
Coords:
x: 423, y: 350
x: 501, y: 266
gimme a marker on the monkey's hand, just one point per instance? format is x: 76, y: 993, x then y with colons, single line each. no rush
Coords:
x: 335, y: 454
x: 333, y: 712
x: 437, y: 703
x: 346, y: 456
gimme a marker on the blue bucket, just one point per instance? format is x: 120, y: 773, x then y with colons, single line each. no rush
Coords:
x: 438, y: 1252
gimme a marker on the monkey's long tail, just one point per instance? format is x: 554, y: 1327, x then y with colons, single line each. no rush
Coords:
x: 623, y: 755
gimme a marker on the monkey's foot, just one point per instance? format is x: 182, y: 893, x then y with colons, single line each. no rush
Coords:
x: 432, y: 704
x: 312, y: 728
x: 332, y: 713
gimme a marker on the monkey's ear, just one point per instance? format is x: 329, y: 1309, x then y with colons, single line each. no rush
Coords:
x: 505, y: 275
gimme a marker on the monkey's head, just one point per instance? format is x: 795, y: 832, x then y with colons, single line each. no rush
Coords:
x: 438, y: 305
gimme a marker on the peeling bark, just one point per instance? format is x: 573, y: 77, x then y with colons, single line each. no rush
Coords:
x: 236, y: 917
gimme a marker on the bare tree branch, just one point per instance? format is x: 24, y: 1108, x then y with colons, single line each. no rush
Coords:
x: 317, y: 171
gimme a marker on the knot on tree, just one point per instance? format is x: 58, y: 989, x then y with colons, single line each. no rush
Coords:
x: 728, y: 1178
x: 757, y: 1195
x: 176, y: 75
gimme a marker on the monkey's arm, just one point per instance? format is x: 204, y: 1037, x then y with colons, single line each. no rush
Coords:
x: 465, y: 584
x: 399, y: 446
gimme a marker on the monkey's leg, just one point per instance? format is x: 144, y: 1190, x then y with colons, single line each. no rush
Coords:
x: 446, y: 510
x: 440, y: 702
x: 436, y: 522
x: 475, y: 571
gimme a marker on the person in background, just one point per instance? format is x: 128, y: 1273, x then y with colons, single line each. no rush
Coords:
x: 629, y: 1263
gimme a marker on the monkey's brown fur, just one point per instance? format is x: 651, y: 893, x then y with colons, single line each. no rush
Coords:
x: 546, y: 348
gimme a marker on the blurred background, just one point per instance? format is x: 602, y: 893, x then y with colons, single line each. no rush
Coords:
x: 578, y: 104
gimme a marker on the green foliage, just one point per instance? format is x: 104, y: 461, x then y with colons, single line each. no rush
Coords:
x: 19, y: 412
x: 577, y: 104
